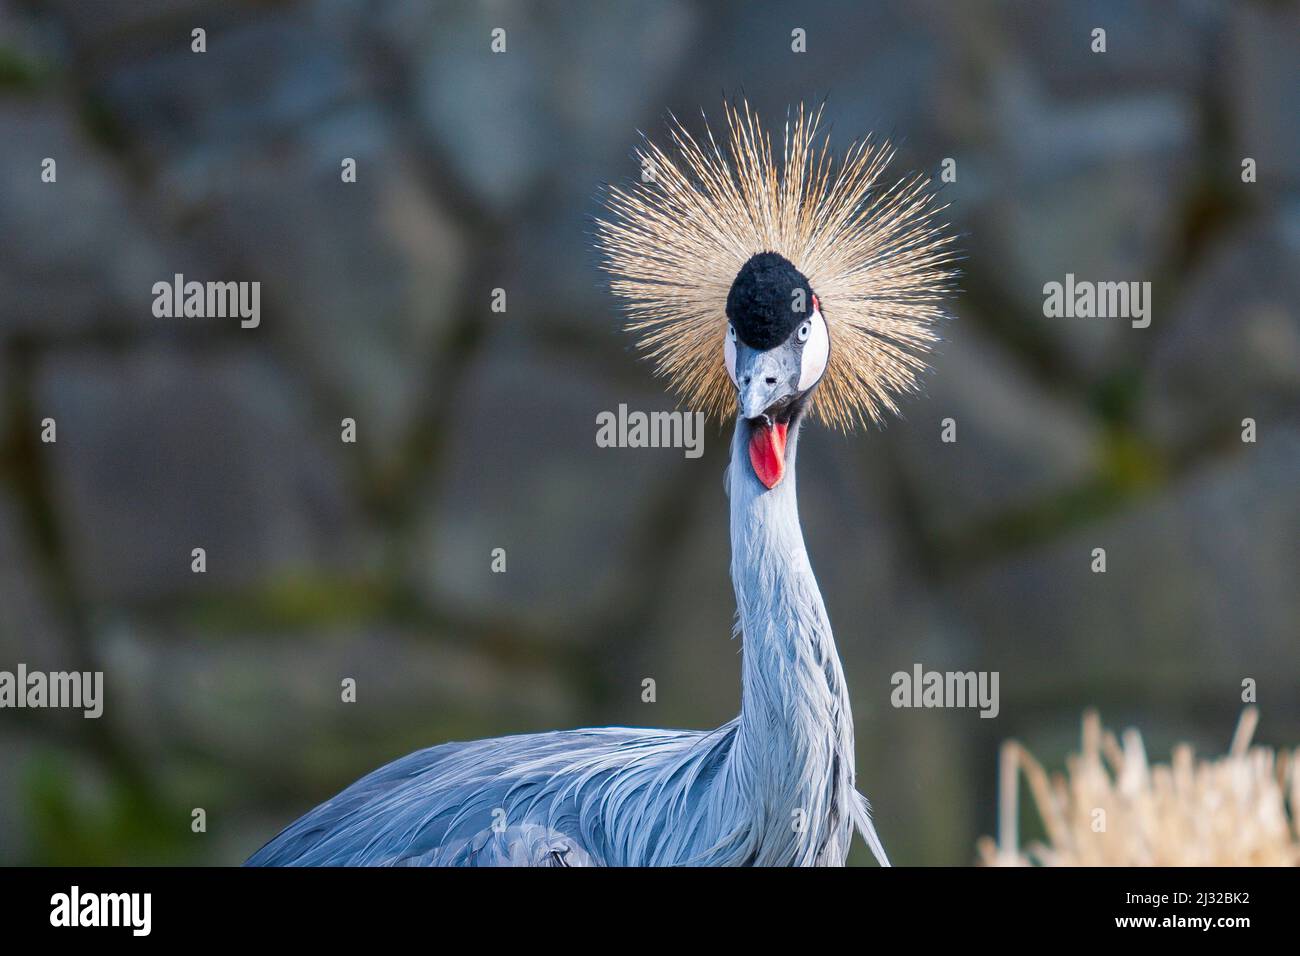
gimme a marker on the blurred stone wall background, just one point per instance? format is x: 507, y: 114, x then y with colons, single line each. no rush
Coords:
x: 479, y: 171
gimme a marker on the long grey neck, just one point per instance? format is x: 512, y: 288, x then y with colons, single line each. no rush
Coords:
x: 793, y: 757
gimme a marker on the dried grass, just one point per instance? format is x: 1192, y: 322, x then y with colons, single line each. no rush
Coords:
x: 1113, y: 808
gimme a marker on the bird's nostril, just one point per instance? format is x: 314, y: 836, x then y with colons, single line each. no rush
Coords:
x: 771, y: 380
x: 747, y: 379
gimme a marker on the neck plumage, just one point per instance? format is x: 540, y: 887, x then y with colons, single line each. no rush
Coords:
x: 792, y: 760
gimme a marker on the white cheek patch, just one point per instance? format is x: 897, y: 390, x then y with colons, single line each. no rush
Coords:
x: 729, y: 356
x: 815, y: 352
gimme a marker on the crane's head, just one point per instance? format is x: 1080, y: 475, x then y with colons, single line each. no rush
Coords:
x: 775, y: 352
x: 802, y: 248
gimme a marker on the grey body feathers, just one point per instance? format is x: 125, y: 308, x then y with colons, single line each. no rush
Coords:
x: 774, y: 787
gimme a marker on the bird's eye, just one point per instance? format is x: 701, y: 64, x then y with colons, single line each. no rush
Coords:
x: 731, y: 330
x: 803, y: 331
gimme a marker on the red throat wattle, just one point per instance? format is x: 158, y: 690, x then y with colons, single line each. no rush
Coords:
x: 767, y: 452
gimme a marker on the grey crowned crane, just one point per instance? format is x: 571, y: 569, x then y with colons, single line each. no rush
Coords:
x: 774, y: 293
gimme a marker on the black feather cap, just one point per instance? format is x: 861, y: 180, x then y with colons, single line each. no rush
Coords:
x: 762, y: 304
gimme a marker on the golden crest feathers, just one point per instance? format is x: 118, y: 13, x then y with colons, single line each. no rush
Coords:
x: 875, y: 254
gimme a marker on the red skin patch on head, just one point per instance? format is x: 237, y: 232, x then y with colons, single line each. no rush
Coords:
x: 767, y: 452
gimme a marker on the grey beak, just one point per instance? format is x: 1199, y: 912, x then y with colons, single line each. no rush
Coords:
x: 763, y: 379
